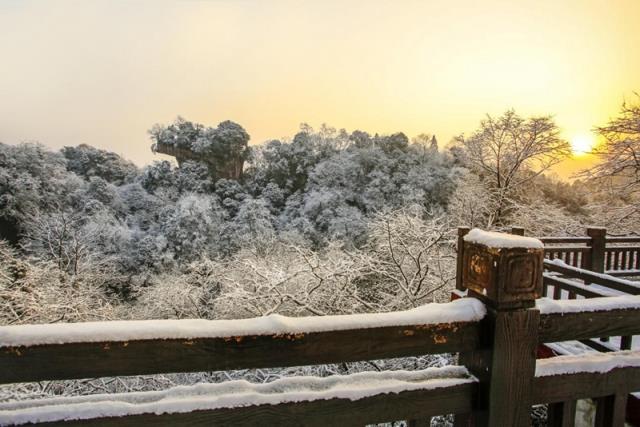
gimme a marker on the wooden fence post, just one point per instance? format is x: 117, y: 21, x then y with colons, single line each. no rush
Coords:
x: 597, y: 245
x: 611, y: 410
x: 507, y: 280
x: 462, y: 231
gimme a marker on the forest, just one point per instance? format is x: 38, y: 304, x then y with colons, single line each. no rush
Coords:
x: 327, y: 222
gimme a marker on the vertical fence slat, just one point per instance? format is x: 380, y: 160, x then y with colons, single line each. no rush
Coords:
x: 561, y: 414
x: 611, y: 410
x: 462, y: 231
x: 596, y: 254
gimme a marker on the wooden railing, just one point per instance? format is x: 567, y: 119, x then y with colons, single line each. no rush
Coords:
x: 615, y: 255
x: 495, y: 330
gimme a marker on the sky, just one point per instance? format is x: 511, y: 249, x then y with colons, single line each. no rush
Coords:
x: 104, y: 72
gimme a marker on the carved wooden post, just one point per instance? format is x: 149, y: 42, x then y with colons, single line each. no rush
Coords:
x: 462, y: 231
x: 597, y: 244
x: 505, y: 272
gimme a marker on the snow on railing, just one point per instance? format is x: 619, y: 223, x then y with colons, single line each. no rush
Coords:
x: 501, y: 240
x: 587, y: 362
x: 232, y: 394
x: 624, y: 302
x: 465, y: 310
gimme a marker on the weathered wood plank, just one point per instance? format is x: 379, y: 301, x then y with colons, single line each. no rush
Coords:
x: 420, y: 404
x: 623, y: 239
x: 611, y: 410
x: 583, y: 385
x: 89, y: 360
x: 597, y: 345
x: 425, y: 422
x: 566, y: 249
x: 513, y: 367
x: 561, y: 414
x: 573, y: 287
x: 623, y: 273
x: 563, y: 239
x: 609, y: 282
x: 575, y: 326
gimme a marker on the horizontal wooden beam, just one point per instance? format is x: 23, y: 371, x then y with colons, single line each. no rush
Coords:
x: 623, y: 273
x: 559, y: 388
x: 566, y: 249
x: 575, y: 287
x: 590, y: 277
x: 623, y: 239
x: 575, y: 326
x: 343, y: 412
x: 598, y: 345
x: 563, y: 239
x: 618, y: 249
x: 89, y: 360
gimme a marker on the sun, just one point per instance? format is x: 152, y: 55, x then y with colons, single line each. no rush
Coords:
x: 582, y: 144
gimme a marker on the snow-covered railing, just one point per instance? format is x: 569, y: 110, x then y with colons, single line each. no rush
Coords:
x: 615, y: 255
x: 605, y: 280
x: 623, y: 259
x: 49, y: 352
x: 495, y: 330
x: 332, y: 401
x: 565, y: 379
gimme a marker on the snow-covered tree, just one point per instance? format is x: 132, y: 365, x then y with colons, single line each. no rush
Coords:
x: 510, y: 151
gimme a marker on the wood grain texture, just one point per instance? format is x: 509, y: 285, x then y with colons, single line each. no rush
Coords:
x: 560, y: 388
x: 574, y: 326
x: 89, y: 360
x: 588, y: 277
x: 562, y: 414
x: 513, y: 367
x: 611, y: 410
x: 562, y: 239
x: 572, y: 287
x: 505, y: 367
x: 420, y: 404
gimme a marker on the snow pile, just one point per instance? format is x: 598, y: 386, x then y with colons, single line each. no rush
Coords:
x: 589, y: 362
x: 501, y: 240
x: 231, y: 394
x: 624, y: 302
x: 463, y: 310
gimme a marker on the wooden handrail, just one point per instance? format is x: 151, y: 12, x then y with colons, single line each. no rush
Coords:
x: 141, y: 357
x: 590, y: 277
x: 573, y: 287
x: 556, y: 327
x: 559, y: 249
x: 581, y: 385
x: 568, y: 239
x: 498, y: 350
x: 381, y: 407
x: 623, y: 239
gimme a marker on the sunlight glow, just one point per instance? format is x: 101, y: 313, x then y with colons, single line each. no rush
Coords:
x: 582, y: 144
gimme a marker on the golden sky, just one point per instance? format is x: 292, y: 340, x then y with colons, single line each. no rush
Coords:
x: 103, y: 72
